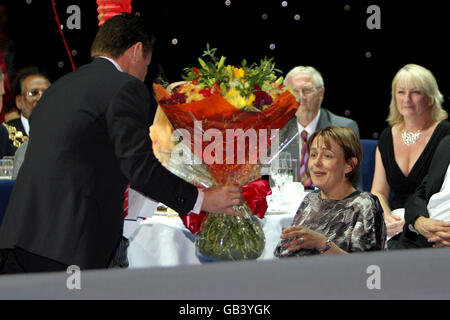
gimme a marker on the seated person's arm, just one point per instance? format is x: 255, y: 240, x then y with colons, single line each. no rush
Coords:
x: 381, y: 188
x: 304, y: 238
x: 416, y: 208
x: 416, y: 214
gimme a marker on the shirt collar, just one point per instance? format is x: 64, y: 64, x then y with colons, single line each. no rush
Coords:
x: 311, y: 127
x: 113, y: 62
x: 26, y: 124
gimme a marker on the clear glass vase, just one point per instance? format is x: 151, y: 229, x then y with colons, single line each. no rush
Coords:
x: 229, y: 238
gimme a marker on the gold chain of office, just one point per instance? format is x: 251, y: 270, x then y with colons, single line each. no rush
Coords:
x: 17, y: 137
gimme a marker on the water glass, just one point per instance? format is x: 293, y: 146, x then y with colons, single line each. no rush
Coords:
x: 6, y: 168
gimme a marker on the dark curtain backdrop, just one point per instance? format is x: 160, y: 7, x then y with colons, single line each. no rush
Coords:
x: 357, y: 64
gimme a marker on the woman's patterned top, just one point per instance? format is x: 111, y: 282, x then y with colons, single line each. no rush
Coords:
x: 355, y: 223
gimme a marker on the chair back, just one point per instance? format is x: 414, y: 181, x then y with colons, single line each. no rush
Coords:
x: 368, y: 162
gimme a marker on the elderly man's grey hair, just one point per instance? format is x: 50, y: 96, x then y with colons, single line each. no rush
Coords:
x: 311, y: 71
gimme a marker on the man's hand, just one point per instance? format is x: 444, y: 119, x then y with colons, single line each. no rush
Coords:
x: 221, y: 199
x: 436, y: 231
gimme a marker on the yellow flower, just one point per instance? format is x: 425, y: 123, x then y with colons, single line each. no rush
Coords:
x: 250, y: 100
x: 238, y: 72
x: 234, y: 97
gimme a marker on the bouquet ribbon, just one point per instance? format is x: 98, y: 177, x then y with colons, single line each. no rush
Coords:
x: 254, y: 194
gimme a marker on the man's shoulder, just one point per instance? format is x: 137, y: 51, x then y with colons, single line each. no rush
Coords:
x: 289, y: 128
x: 3, y: 131
x: 14, y: 122
x: 336, y: 119
x: 328, y: 118
x: 100, y: 74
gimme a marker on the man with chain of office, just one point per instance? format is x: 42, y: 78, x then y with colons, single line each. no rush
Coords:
x: 28, y: 86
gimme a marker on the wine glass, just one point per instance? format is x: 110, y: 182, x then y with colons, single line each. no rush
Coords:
x: 281, y: 173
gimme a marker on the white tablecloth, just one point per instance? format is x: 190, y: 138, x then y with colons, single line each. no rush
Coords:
x: 164, y: 241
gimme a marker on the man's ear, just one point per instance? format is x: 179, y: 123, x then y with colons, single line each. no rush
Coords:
x: 19, y: 102
x: 137, y: 50
x: 322, y: 94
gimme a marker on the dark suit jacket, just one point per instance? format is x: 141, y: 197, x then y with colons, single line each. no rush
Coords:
x: 6, y: 148
x: 89, y: 138
x: 416, y: 205
x: 326, y: 119
x: 17, y: 123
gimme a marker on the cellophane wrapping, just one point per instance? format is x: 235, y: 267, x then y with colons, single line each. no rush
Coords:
x: 195, y: 107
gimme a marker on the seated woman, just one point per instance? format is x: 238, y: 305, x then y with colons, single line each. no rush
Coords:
x: 405, y: 149
x: 336, y: 219
x: 427, y: 211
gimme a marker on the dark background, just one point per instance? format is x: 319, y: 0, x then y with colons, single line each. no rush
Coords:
x: 357, y: 64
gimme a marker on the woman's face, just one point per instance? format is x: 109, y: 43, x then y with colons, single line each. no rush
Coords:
x: 327, y: 166
x: 411, y: 100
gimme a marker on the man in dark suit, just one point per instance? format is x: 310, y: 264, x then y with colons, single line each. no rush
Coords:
x: 308, y: 86
x: 89, y: 138
x: 28, y: 86
x: 422, y: 229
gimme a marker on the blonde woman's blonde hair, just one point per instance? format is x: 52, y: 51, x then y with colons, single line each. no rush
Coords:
x: 418, y: 77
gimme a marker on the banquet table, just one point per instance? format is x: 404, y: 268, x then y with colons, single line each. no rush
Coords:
x: 163, y: 241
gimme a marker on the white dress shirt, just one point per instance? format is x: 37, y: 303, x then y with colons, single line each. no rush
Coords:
x: 26, y: 124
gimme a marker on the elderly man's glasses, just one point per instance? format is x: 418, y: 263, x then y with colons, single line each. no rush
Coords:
x: 305, y: 91
x: 34, y: 93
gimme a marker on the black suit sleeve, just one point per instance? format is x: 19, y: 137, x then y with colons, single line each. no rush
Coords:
x: 6, y: 148
x: 416, y: 205
x: 128, y: 120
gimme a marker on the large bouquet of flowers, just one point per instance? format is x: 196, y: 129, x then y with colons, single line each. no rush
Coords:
x: 217, y: 109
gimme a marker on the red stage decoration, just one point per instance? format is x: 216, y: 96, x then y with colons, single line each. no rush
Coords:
x: 62, y: 35
x: 110, y: 8
x: 8, y: 93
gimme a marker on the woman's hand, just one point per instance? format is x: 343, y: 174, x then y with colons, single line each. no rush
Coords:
x: 394, y: 224
x: 303, y: 238
x: 436, y: 231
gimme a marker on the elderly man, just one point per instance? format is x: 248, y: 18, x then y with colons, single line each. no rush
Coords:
x: 308, y: 86
x: 28, y: 85
x: 89, y: 139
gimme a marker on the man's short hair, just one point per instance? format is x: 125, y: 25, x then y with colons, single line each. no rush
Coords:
x: 22, y: 74
x: 119, y: 33
x: 308, y: 70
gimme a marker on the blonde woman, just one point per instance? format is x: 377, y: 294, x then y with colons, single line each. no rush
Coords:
x: 405, y: 149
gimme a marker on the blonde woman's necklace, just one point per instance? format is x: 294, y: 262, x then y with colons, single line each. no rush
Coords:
x: 410, y: 138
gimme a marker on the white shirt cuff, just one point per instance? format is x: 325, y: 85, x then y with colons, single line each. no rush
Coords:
x: 199, y: 203
x: 411, y: 228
